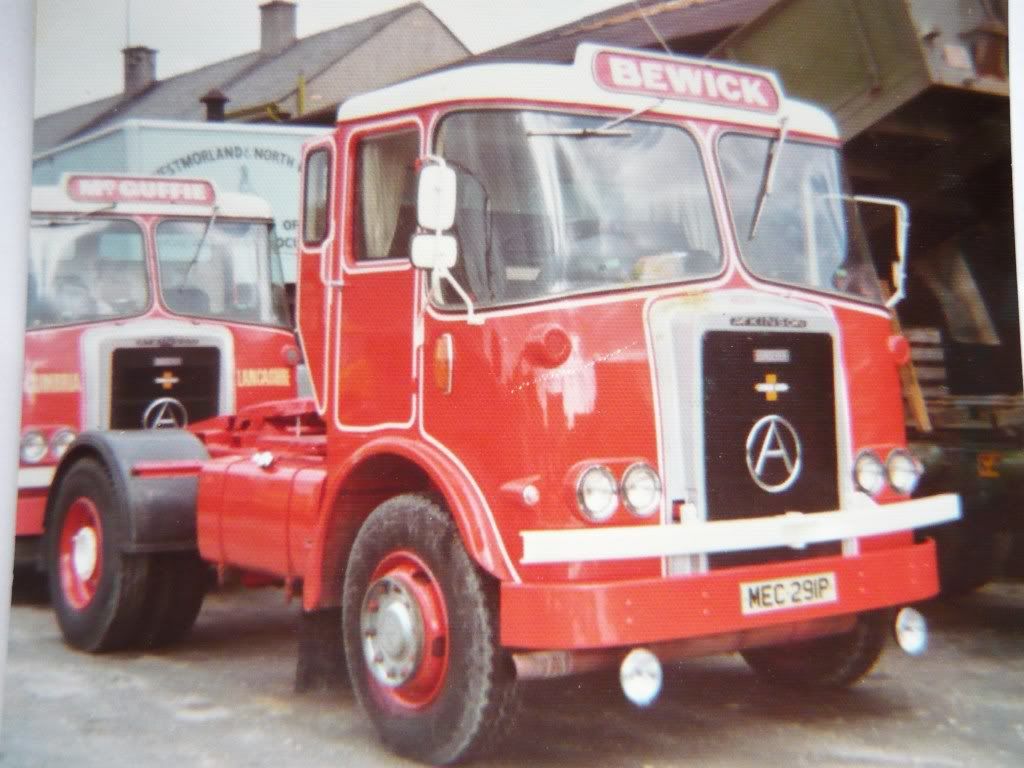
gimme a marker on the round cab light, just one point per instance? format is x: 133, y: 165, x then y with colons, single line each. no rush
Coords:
x: 641, y: 490
x: 597, y: 494
x: 869, y: 473
x: 60, y: 441
x: 904, y: 471
x: 33, y: 447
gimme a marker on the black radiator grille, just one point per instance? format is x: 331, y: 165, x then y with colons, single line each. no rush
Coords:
x: 784, y: 382
x: 190, y: 375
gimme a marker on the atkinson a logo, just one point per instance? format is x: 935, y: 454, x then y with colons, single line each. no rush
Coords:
x: 766, y: 321
x: 774, y: 454
x: 165, y: 413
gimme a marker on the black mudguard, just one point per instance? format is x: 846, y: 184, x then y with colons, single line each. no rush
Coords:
x: 160, y: 511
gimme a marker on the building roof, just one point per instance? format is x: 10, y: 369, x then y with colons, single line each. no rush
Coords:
x: 255, y: 79
x: 689, y: 26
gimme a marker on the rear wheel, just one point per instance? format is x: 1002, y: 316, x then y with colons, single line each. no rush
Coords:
x: 833, y: 662
x: 419, y: 622
x: 98, y: 593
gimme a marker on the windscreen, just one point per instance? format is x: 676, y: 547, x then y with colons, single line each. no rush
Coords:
x: 85, y: 270
x: 224, y: 270
x: 805, y: 235
x: 552, y: 204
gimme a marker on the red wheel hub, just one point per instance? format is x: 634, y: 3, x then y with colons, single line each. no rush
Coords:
x: 80, y: 553
x: 404, y: 629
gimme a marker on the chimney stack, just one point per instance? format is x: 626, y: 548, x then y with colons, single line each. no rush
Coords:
x: 277, y: 26
x: 139, y: 69
x: 214, y: 101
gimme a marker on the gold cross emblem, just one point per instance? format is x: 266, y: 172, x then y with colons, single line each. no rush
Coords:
x: 166, y: 380
x: 771, y: 387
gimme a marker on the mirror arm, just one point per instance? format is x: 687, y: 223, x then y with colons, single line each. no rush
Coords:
x: 442, y: 273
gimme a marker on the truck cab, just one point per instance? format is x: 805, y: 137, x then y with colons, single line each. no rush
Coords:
x: 152, y: 303
x: 602, y: 376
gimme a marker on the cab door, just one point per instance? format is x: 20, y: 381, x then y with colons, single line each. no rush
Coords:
x: 376, y: 382
x: 317, y: 287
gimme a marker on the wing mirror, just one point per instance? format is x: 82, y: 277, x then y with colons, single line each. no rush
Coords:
x: 902, y: 220
x: 435, y: 211
x: 899, y: 267
x: 435, y: 196
x: 435, y: 250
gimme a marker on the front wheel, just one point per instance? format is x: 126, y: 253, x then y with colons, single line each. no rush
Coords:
x: 831, y: 662
x: 419, y: 622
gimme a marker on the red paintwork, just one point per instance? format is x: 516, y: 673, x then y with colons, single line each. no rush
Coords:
x: 536, y: 393
x: 31, y: 510
x: 58, y: 350
x: 81, y: 516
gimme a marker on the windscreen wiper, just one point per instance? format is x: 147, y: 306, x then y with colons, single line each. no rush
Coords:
x: 608, y: 129
x: 769, y: 176
x: 199, y: 247
x: 61, y: 221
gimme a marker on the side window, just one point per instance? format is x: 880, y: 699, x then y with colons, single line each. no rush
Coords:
x: 385, y: 195
x: 317, y: 191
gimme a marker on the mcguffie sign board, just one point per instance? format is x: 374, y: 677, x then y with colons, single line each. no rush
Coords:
x: 113, y: 189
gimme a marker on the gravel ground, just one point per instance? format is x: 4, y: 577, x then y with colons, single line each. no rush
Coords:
x: 225, y: 698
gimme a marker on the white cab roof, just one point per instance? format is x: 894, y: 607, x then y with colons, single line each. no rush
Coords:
x: 580, y: 83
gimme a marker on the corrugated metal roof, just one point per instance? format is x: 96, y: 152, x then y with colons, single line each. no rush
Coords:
x: 675, y: 20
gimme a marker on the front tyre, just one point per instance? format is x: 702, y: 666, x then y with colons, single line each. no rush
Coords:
x: 97, y: 592
x: 830, y: 662
x: 419, y: 622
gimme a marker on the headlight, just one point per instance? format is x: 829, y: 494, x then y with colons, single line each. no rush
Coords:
x: 641, y: 490
x: 597, y: 494
x: 59, y: 442
x: 33, y: 447
x: 904, y: 471
x: 869, y: 473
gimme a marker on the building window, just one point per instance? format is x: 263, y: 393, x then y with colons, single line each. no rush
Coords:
x: 316, y: 195
x: 385, y: 195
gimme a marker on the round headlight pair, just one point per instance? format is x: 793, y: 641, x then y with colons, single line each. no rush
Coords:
x: 598, y: 493
x: 901, y: 470
x: 34, y: 445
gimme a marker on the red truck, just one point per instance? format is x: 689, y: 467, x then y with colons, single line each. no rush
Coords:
x: 603, y: 375
x: 152, y: 302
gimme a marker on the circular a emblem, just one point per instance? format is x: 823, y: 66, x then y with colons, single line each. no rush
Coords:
x: 774, y: 454
x: 165, y: 413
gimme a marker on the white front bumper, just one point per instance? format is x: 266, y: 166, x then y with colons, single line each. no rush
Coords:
x: 794, y: 529
x: 30, y: 478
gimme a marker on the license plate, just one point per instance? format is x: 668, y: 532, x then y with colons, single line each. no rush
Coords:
x: 795, y: 592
